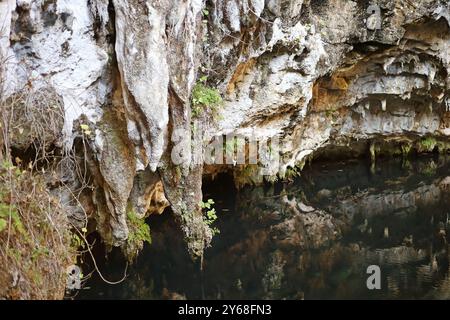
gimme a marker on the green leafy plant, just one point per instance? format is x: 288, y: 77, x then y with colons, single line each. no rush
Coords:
x: 9, y: 210
x: 427, y: 144
x: 204, y: 98
x: 139, y: 233
x: 211, y: 215
x: 77, y: 241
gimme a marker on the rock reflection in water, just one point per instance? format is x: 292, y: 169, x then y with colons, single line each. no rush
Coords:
x: 312, y: 239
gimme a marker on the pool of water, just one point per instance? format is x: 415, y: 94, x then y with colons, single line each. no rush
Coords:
x: 312, y: 238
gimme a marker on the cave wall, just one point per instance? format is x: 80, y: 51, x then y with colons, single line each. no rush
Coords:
x: 315, y: 74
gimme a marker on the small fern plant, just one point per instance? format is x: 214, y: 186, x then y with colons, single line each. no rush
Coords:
x: 210, y: 216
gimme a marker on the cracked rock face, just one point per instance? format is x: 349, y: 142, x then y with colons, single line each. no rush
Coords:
x: 319, y: 75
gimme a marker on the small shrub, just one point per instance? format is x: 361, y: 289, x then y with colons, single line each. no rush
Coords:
x: 204, y: 98
x: 33, y: 117
x: 35, y: 241
x: 211, y: 215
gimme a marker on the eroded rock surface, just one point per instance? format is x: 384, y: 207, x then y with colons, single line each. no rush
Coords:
x: 320, y: 75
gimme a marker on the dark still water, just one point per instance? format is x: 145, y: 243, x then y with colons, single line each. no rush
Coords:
x: 310, y: 239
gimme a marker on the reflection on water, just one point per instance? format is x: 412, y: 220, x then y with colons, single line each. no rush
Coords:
x: 312, y: 239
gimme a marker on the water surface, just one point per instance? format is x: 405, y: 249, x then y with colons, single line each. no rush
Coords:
x: 310, y: 239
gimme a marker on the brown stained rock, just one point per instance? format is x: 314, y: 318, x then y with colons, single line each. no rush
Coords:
x: 147, y: 196
x: 117, y: 167
x: 241, y: 70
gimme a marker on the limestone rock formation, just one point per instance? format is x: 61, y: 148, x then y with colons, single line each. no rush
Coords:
x: 318, y: 75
